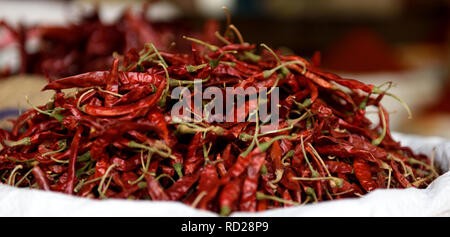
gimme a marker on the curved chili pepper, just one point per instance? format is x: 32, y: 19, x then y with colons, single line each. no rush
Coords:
x: 126, y: 109
x: 209, y: 183
x: 229, y: 196
x: 363, y: 174
x: 338, y: 167
x: 250, y: 186
x: 73, y: 159
x: 154, y: 189
x: 40, y: 178
x: 112, y: 84
x: 181, y: 186
x: 399, y: 176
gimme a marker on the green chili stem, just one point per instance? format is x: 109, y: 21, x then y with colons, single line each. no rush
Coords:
x: 193, y: 68
x: 377, y: 141
x: 288, y: 154
x: 225, y: 211
x: 62, y: 146
x: 264, y: 146
x: 267, y: 73
x: 221, y: 38
x: 20, y: 161
x: 208, y: 45
x: 262, y: 196
x: 165, y: 175
x: 108, y: 92
x: 144, y: 168
x: 199, y: 198
x: 178, y: 169
x: 23, y: 178
x: 159, y: 55
x: 313, y: 171
x: 26, y: 141
x: 320, y: 158
x: 133, y: 144
x: 284, y: 70
x: 338, y: 181
x: 310, y: 191
x: 102, y: 181
x: 12, y: 175
x: 377, y: 90
x: 52, y: 114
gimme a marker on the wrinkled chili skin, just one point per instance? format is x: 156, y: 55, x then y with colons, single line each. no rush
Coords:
x: 115, y: 135
x: 362, y: 172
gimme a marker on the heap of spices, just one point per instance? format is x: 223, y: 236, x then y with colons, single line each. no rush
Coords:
x: 87, y: 44
x: 115, y: 137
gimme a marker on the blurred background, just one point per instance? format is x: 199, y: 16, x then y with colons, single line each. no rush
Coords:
x: 403, y: 41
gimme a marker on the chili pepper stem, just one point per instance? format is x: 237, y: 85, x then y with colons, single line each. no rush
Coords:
x: 377, y: 90
x: 22, y: 142
x: 311, y: 192
x: 228, y: 15
x: 82, y: 96
x: 339, y: 182
x: 23, y: 178
x: 144, y: 168
x: 313, y: 171
x: 237, y: 33
x: 198, y: 199
x: 262, y: 196
x: 377, y: 141
x: 178, y: 169
x: 208, y: 45
x: 102, y: 190
x: 20, y: 161
x: 320, y: 159
x: 12, y: 175
x: 288, y: 155
x: 165, y: 175
x: 53, y: 114
x: 278, y: 177
x: 221, y: 38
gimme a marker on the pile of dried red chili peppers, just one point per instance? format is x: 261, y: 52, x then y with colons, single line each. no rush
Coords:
x: 114, y: 137
x: 88, y: 44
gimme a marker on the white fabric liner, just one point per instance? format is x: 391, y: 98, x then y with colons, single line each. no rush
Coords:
x: 433, y: 201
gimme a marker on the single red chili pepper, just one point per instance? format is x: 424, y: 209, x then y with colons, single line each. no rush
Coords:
x: 74, y: 146
x: 338, y: 167
x: 363, y: 174
x: 229, y: 196
x: 40, y: 177
x: 112, y: 84
x: 128, y: 164
x: 114, y: 132
x: 181, y: 186
x: 250, y: 186
x: 208, y: 183
x: 399, y: 176
x: 134, y: 95
x: 126, y: 109
x: 349, y: 83
x: 41, y: 127
x: 22, y: 120
x: 88, y: 79
x: 346, y: 151
x: 154, y: 189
